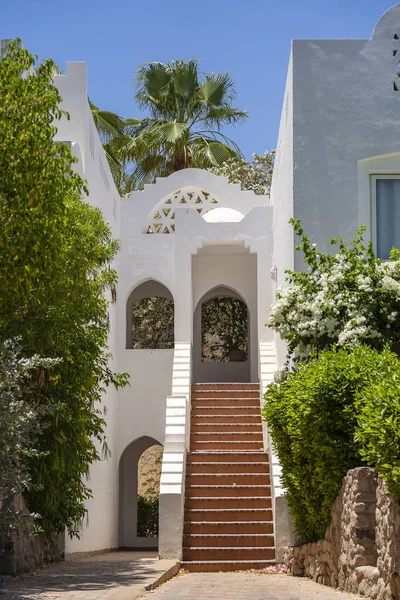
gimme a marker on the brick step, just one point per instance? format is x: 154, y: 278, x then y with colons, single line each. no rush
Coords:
x: 225, y: 386
x: 225, y: 502
x: 230, y: 491
x: 215, y: 419
x: 227, y: 479
x: 216, y: 566
x: 228, y: 394
x: 226, y: 427
x: 223, y: 554
x: 224, y: 410
x: 220, y: 456
x: 224, y: 527
x: 211, y: 515
x: 208, y: 468
x: 226, y: 436
x: 228, y: 445
x: 231, y: 540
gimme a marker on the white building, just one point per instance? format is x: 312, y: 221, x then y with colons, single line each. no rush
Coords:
x: 193, y: 236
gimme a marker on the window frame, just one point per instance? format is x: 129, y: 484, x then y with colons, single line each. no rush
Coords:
x: 373, y: 213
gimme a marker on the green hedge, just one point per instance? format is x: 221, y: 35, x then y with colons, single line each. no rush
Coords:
x: 337, y: 412
x: 378, y: 416
x: 147, y: 516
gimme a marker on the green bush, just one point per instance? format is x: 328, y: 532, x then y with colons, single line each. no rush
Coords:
x: 312, y: 419
x: 147, y: 516
x: 55, y: 279
x: 378, y: 416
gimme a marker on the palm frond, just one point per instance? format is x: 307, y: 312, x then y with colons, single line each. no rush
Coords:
x: 223, y: 115
x: 146, y: 169
x: 217, y: 89
x: 171, y: 133
x: 152, y: 82
x: 218, y: 136
x: 114, y: 161
x: 108, y: 124
x: 185, y: 78
x: 208, y: 153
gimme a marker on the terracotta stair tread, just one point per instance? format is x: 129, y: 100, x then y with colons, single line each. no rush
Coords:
x: 224, y: 411
x: 213, y: 420
x: 226, y: 444
x: 205, y: 424
x: 236, y: 474
x: 227, y: 522
x: 215, y: 566
x: 222, y: 456
x: 224, y: 435
x: 221, y: 536
x: 227, y: 479
x: 191, y: 514
x: 217, y: 384
x: 217, y: 452
x: 229, y: 553
x: 223, y: 542
x: 210, y: 463
x: 222, y: 396
x: 221, y: 504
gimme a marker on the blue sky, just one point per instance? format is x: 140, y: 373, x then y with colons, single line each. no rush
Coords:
x: 250, y: 40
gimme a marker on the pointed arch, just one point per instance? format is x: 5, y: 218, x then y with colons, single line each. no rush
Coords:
x: 147, y: 302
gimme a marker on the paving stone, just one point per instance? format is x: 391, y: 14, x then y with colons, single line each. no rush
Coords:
x: 111, y: 576
x: 244, y: 586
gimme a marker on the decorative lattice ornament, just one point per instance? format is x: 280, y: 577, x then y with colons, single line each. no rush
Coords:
x: 162, y: 218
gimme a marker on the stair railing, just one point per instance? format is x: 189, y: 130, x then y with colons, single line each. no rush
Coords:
x: 176, y: 446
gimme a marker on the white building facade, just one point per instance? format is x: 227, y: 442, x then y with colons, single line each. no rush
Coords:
x: 193, y: 236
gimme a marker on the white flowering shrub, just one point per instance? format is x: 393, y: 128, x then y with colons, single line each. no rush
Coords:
x: 20, y: 408
x: 344, y: 299
x: 255, y: 175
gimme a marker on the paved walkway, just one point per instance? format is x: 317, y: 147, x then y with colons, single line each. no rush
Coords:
x: 124, y: 576
x: 243, y: 586
x: 116, y: 575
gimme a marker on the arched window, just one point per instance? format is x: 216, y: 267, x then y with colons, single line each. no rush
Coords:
x: 150, y: 317
x: 224, y: 330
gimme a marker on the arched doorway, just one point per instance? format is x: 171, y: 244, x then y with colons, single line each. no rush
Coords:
x: 221, y: 336
x: 139, y: 480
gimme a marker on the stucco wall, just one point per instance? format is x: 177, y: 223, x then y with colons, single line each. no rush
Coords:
x: 142, y: 404
x: 237, y: 271
x: 100, y: 530
x: 282, y: 201
x: 345, y: 109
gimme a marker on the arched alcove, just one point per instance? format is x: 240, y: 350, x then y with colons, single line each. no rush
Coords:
x: 150, y: 317
x: 228, y: 360
x: 131, y: 482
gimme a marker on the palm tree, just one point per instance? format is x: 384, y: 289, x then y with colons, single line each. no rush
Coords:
x: 115, y: 133
x: 186, y: 115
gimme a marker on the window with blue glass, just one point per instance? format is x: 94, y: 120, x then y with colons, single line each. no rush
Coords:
x: 386, y: 214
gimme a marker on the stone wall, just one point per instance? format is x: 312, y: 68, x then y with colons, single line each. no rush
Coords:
x: 360, y: 552
x: 27, y: 551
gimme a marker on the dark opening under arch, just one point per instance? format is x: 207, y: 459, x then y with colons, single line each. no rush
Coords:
x: 224, y: 330
x: 221, y: 337
x: 150, y: 317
